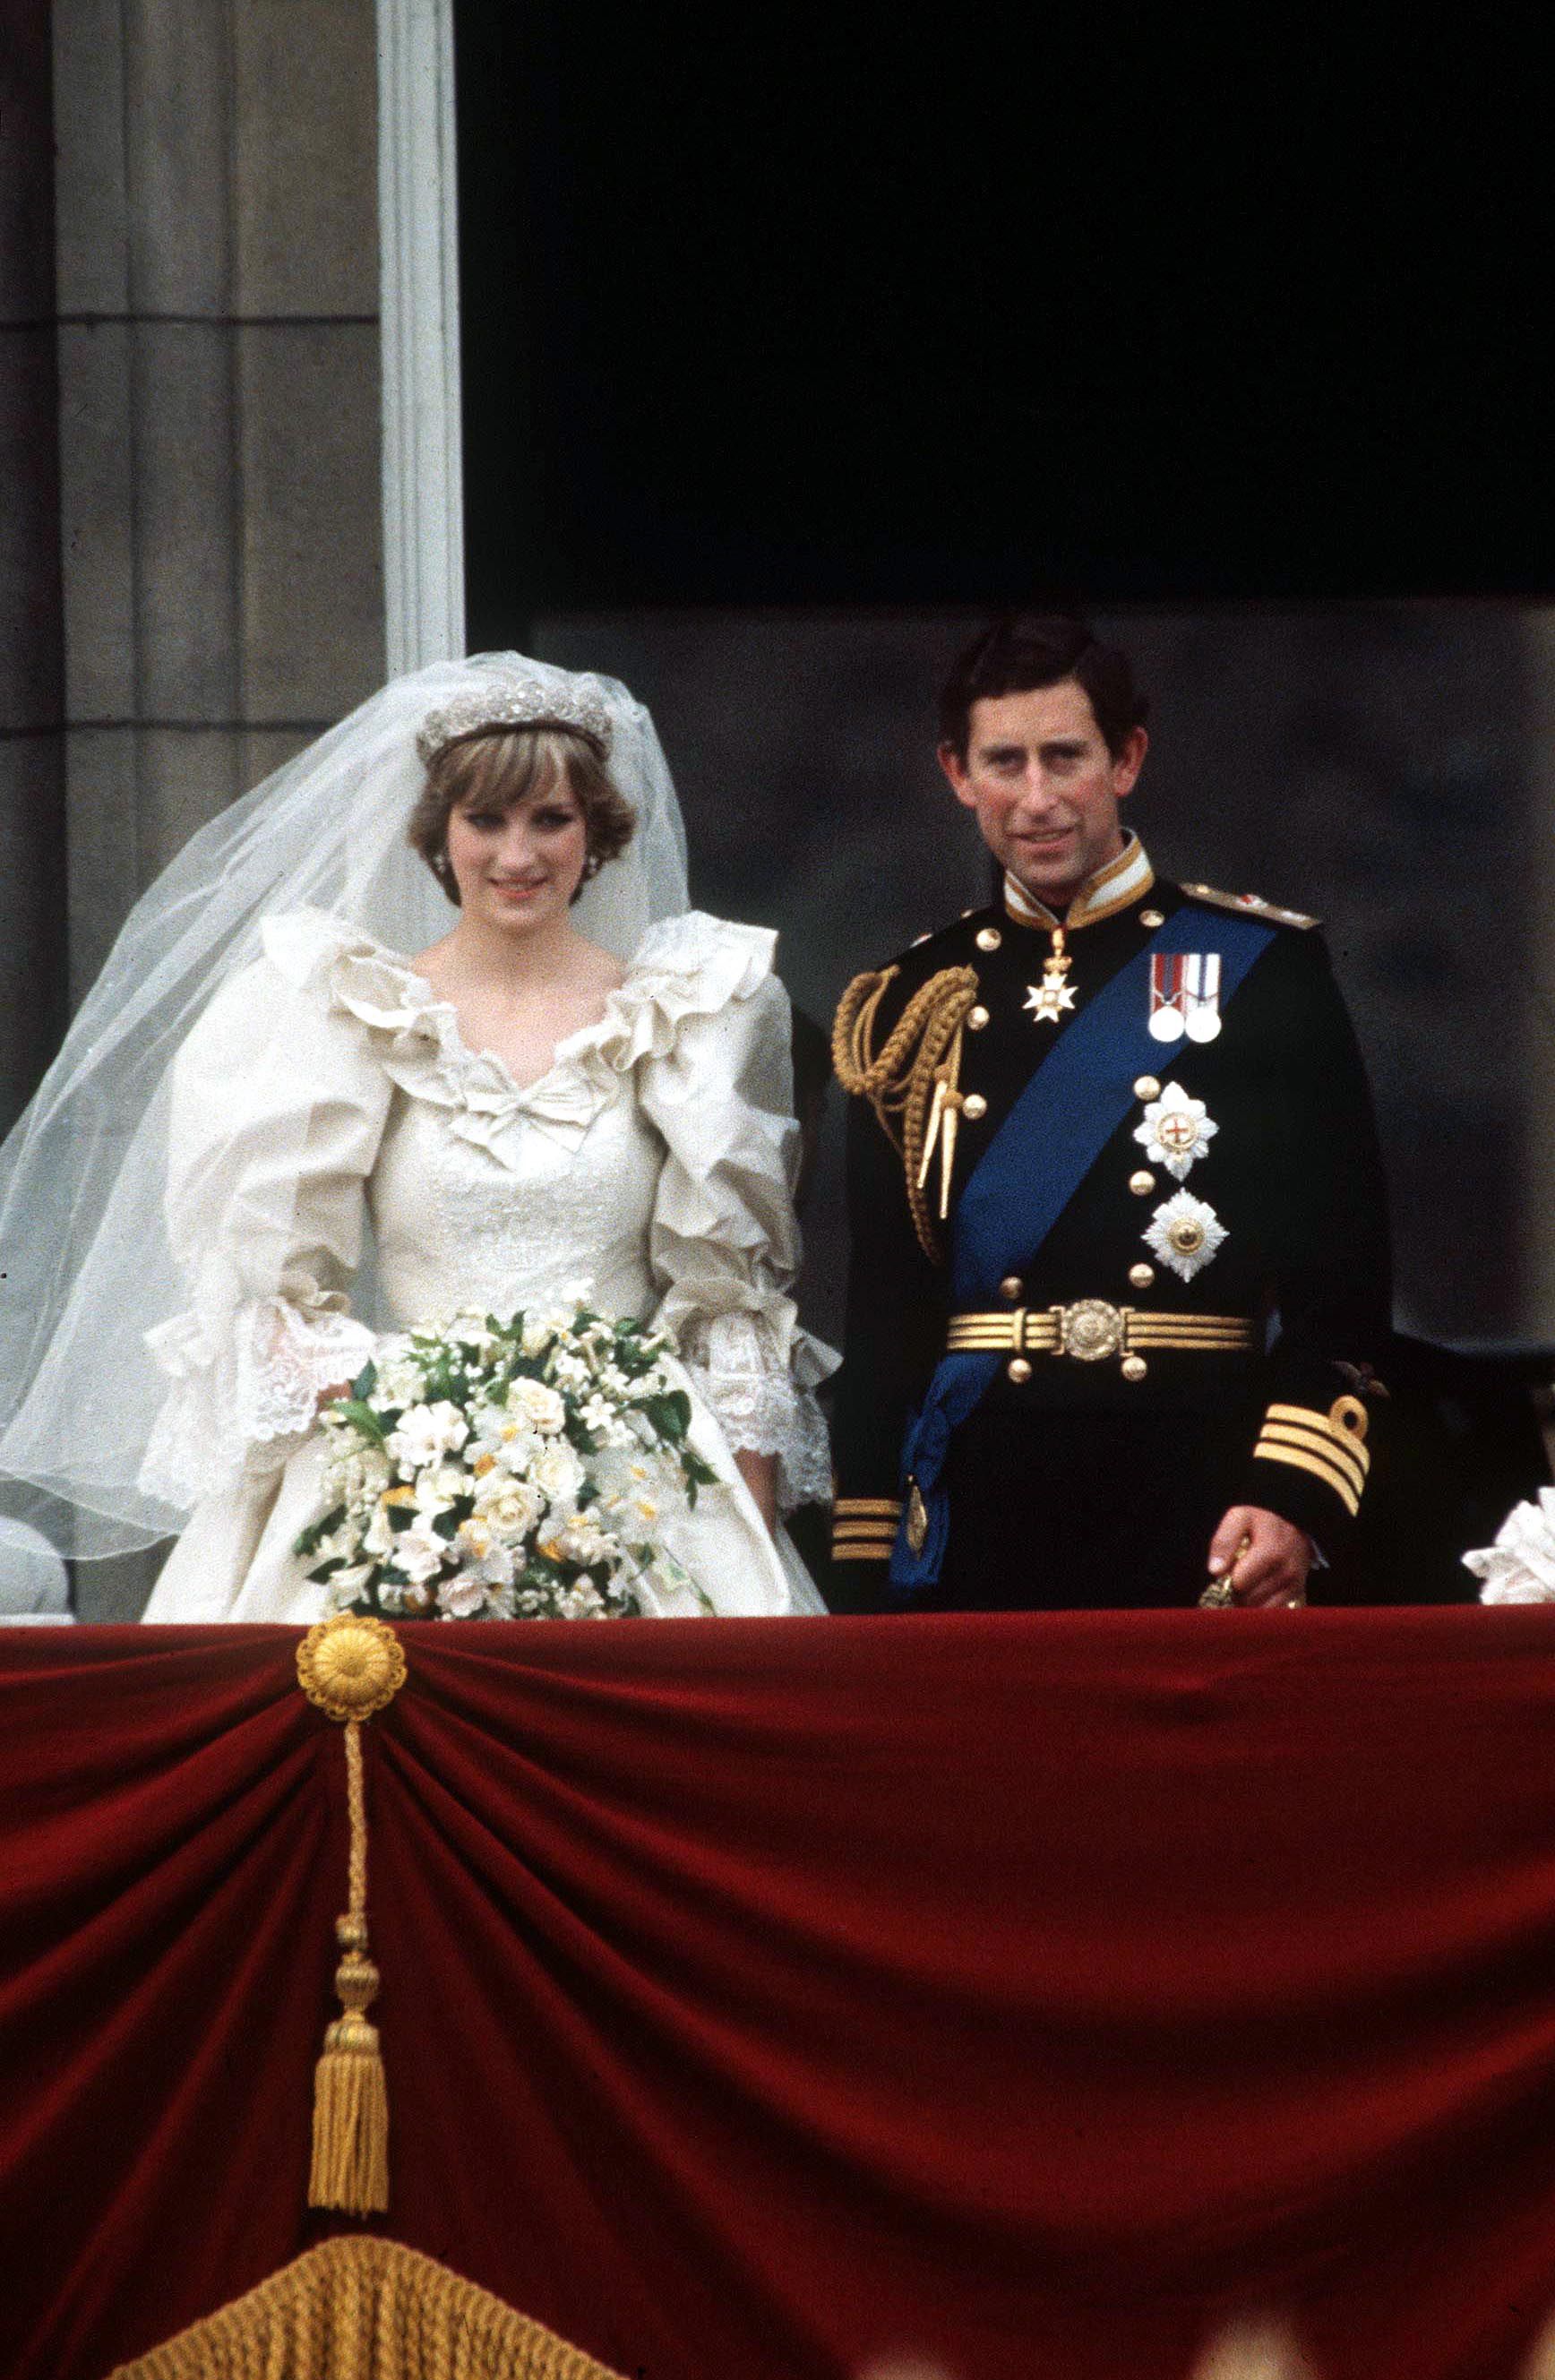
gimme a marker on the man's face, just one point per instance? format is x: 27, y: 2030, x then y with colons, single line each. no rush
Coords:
x: 1044, y: 786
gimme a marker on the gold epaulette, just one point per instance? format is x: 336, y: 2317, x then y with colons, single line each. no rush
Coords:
x: 913, y: 1080
x: 1251, y: 904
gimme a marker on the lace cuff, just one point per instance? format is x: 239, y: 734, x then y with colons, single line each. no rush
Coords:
x: 1520, y: 1566
x: 244, y: 1403
x: 763, y: 1404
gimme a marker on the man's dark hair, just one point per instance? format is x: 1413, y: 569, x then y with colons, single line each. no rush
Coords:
x: 1016, y: 655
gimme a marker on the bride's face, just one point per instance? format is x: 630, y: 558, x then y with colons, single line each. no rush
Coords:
x: 519, y: 867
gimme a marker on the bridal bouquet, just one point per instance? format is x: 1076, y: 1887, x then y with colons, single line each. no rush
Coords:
x: 514, y: 1470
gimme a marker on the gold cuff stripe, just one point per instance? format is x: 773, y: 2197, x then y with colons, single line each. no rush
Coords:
x: 854, y: 1507
x: 861, y: 1553
x: 1298, y: 1460
x: 859, y: 1533
x: 1280, y: 1433
x: 1317, y: 1424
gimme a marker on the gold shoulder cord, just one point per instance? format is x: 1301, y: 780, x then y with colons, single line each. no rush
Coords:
x: 913, y: 1082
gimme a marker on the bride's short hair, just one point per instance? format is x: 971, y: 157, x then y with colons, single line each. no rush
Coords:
x: 498, y: 767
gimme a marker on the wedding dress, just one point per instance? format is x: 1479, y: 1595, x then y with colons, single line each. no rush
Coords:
x: 329, y: 1130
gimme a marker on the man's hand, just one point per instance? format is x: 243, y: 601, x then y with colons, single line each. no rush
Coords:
x: 1273, y: 1569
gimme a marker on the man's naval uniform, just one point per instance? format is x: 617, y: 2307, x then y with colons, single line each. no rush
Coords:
x: 1189, y: 1336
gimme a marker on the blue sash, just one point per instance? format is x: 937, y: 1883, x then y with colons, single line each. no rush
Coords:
x: 1029, y: 1171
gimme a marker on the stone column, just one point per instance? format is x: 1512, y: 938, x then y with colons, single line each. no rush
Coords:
x: 31, y: 775
x: 219, y: 406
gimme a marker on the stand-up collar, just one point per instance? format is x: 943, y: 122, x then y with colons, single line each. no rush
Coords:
x: 1117, y: 886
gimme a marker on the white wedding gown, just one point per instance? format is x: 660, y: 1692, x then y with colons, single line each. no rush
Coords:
x: 331, y: 1132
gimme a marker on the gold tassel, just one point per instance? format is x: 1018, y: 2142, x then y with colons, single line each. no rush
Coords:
x: 362, y: 2308
x: 351, y: 1666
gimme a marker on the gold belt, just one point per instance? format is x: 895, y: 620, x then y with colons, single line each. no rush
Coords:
x: 1091, y: 1330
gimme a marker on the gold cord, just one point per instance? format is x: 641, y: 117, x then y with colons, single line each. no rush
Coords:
x: 912, y: 1083
x: 351, y: 1667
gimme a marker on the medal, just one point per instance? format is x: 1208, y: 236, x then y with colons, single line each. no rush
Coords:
x: 1045, y: 1000
x: 1204, y: 997
x: 1168, y: 1018
x: 1185, y: 996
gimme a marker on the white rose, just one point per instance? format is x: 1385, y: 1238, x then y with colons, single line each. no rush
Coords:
x: 426, y: 1433
x: 461, y: 1597
x: 508, y: 1504
x: 557, y: 1472
x: 541, y: 1408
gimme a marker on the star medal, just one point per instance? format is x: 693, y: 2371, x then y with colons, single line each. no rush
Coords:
x: 1176, y: 1131
x: 1184, y: 1233
x: 1045, y: 1000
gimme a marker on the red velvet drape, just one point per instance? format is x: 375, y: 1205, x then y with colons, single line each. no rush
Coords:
x: 1034, y: 1991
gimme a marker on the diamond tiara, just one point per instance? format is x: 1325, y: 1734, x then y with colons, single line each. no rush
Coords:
x: 517, y: 702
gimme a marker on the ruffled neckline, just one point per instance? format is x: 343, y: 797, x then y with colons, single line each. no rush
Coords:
x: 690, y: 965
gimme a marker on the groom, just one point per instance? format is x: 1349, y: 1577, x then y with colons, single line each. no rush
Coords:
x: 1120, y: 1237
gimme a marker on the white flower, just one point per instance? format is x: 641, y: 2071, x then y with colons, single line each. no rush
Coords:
x: 601, y: 1420
x: 399, y: 1383
x: 472, y: 1330
x: 532, y: 1402
x: 426, y: 1433
x: 557, y: 1472
x: 461, y: 1597
x: 1176, y: 1130
x: 482, y: 1555
x: 378, y: 1539
x: 437, y: 1487
x: 363, y: 1474
x: 584, y: 1541
x: 1184, y: 1233
x: 581, y: 1602
x: 508, y: 1504
x: 538, y: 1332
x: 420, y: 1552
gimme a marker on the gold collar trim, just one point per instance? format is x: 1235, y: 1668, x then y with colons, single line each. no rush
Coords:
x: 1117, y: 886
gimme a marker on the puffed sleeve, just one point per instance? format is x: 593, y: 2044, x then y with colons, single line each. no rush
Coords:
x: 723, y: 1242
x: 277, y: 1109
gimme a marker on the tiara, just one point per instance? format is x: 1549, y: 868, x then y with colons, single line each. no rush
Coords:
x: 498, y: 701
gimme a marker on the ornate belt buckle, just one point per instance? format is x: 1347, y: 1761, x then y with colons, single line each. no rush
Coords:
x: 1091, y: 1330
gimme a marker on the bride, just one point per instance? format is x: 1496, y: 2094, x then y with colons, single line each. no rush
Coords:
x: 445, y: 1033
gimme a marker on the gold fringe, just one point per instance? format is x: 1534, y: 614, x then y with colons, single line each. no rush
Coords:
x: 921, y: 1056
x: 351, y: 1666
x: 361, y: 2307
